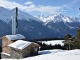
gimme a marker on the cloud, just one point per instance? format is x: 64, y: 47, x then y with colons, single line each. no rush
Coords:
x: 49, y: 9
x: 71, y: 4
x: 31, y: 7
x: 9, y: 4
x: 28, y: 3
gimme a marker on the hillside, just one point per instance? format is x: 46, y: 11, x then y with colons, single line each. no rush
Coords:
x: 28, y: 25
x: 61, y: 24
x: 40, y: 27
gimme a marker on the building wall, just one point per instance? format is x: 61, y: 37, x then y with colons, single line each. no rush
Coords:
x: 6, y: 50
x: 18, y: 54
x: 5, y: 43
x: 33, y: 47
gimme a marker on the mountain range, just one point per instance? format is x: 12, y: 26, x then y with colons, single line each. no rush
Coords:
x: 61, y: 24
x: 39, y: 26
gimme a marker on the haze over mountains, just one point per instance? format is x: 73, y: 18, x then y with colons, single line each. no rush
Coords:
x: 40, y: 26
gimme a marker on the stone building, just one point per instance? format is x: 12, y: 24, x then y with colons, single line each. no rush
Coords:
x: 21, y: 49
x: 16, y: 46
x: 8, y: 39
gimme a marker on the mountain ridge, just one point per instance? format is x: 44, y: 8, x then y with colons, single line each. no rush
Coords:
x: 57, y: 18
x: 30, y: 27
x: 8, y: 14
x: 34, y: 28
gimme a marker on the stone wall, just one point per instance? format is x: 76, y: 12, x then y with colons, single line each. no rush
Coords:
x: 18, y: 54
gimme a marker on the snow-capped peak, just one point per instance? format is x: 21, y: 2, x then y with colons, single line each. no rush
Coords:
x: 8, y: 14
x: 57, y: 18
x: 5, y: 13
x: 24, y: 15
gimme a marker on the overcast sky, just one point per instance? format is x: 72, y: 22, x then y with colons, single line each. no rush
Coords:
x: 44, y: 7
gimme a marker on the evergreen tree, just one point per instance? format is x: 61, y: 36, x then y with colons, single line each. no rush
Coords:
x: 67, y: 38
x: 67, y: 41
x: 78, y: 34
x: 76, y: 41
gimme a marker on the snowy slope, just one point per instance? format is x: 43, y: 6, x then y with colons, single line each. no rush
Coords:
x: 5, y: 15
x: 25, y: 16
x: 28, y: 25
x: 54, y: 55
x: 61, y: 24
x: 57, y: 55
x: 53, y: 42
x: 8, y: 14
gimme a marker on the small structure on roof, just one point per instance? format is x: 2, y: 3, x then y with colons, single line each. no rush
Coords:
x: 8, y: 39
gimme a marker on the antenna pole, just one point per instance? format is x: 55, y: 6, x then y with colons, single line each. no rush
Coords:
x: 16, y: 17
x: 15, y: 23
x: 13, y: 26
x: 79, y: 14
x: 79, y: 18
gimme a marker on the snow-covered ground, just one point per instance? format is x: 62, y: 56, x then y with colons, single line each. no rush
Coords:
x: 55, y: 55
x: 53, y: 42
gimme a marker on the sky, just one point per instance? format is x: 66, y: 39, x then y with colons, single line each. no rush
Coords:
x: 44, y: 7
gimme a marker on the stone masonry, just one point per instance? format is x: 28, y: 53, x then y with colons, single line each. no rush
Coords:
x: 18, y: 54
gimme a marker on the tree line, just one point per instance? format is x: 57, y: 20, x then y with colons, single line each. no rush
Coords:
x: 45, y: 46
x: 70, y: 42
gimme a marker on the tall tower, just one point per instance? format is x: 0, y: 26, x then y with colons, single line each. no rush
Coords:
x: 13, y: 26
x: 15, y: 22
x: 79, y: 18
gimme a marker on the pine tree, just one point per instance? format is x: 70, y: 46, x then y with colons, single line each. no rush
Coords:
x: 76, y: 41
x: 78, y: 34
x: 67, y: 38
x: 67, y: 41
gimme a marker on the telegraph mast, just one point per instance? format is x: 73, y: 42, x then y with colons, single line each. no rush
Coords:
x: 16, y: 17
x: 79, y: 18
x: 15, y: 22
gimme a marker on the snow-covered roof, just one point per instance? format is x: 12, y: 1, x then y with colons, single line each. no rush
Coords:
x: 15, y: 37
x: 20, y: 44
